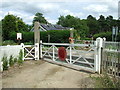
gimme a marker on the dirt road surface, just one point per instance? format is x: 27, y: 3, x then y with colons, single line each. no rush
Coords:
x: 41, y: 74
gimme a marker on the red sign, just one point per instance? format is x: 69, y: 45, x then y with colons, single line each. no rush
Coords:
x: 62, y: 53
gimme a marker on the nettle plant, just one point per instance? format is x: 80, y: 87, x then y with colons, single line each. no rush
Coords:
x: 11, y: 61
x: 20, y: 58
x: 5, y: 63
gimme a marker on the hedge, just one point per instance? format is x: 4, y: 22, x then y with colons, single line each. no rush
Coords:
x: 56, y: 36
x: 107, y: 35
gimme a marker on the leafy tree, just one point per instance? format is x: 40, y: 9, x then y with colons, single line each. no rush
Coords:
x: 12, y: 23
x: 21, y: 25
x: 109, y: 21
x: 92, y: 23
x: 102, y: 23
x: 9, y: 25
x: 39, y: 17
x: 80, y: 26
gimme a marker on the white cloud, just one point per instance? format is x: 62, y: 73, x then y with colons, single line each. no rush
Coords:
x: 97, y: 8
x: 68, y: 12
x: 53, y: 21
x: 48, y: 7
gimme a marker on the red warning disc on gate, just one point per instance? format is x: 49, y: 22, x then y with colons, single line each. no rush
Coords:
x: 62, y: 53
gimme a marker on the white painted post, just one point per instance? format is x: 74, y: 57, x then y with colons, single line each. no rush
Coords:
x: 1, y: 66
x: 41, y: 56
x: 96, y: 56
x: 22, y: 45
x: 37, y: 39
x: 70, y: 54
x: 36, y: 51
x: 99, y: 45
x: 53, y: 53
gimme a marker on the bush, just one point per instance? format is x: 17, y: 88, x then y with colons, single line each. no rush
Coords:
x: 56, y: 36
x: 9, y: 42
x: 20, y: 58
x: 118, y: 37
x: 5, y: 63
x: 15, y: 60
x: 107, y: 35
x: 11, y: 61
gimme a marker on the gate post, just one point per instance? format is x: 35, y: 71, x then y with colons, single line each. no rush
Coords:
x: 99, y: 45
x: 36, y: 39
x: 41, y: 49
x: 22, y: 45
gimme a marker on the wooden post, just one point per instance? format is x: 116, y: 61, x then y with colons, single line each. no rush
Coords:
x: 36, y: 32
x: 37, y: 39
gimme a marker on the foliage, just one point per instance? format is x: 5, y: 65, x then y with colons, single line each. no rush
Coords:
x: 8, y: 25
x: 56, y: 36
x: 92, y: 24
x: 20, y: 58
x: 105, y: 81
x: 9, y: 42
x: 79, y: 25
x: 5, y: 63
x: 107, y: 35
x: 11, y: 23
x: 39, y: 17
x: 15, y: 60
x: 84, y: 28
x: 11, y: 61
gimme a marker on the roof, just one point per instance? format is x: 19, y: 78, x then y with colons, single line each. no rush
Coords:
x: 53, y: 27
x: 47, y: 27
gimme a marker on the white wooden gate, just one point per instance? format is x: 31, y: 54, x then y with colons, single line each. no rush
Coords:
x: 31, y: 52
x: 79, y: 56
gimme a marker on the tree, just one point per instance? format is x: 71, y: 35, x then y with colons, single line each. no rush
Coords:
x: 109, y: 21
x: 21, y: 25
x: 80, y: 26
x: 102, y: 23
x: 92, y: 23
x: 8, y: 25
x: 12, y: 23
x: 39, y: 17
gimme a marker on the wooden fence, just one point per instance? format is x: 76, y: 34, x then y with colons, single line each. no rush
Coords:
x: 111, y: 58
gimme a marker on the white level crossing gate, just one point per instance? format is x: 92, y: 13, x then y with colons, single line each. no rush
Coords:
x: 79, y: 56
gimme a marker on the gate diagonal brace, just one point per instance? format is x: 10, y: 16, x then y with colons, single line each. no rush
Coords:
x: 47, y: 52
x: 80, y: 56
x: 29, y: 52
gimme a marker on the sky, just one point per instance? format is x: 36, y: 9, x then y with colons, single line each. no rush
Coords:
x: 52, y: 9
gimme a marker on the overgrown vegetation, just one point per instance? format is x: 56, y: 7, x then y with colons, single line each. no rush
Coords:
x: 5, y: 63
x: 9, y: 42
x: 20, y: 58
x: 11, y: 61
x: 105, y: 81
